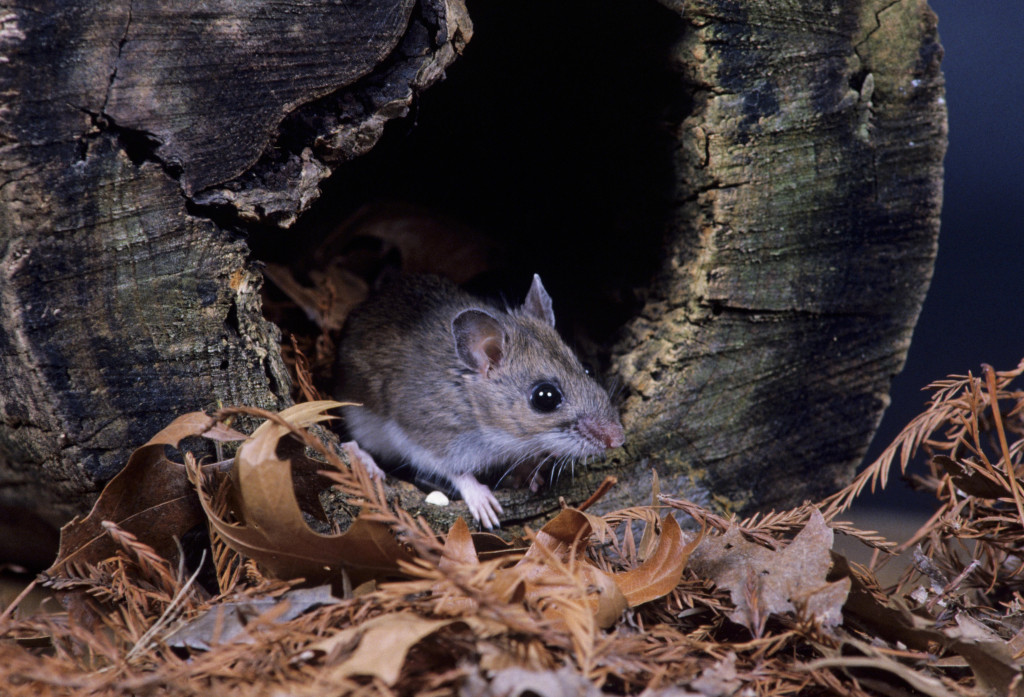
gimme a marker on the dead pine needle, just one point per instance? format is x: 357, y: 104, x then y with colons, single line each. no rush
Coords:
x: 684, y: 602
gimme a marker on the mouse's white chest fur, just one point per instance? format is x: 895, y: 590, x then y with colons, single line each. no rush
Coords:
x: 458, y: 465
x: 470, y: 452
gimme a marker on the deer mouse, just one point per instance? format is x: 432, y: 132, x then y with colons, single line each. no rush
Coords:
x: 454, y: 386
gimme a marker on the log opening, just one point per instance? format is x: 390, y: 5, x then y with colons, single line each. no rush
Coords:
x: 552, y: 136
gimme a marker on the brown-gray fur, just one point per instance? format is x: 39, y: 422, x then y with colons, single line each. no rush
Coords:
x: 445, y: 380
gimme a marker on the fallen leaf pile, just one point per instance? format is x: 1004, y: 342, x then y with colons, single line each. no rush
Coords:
x: 626, y: 603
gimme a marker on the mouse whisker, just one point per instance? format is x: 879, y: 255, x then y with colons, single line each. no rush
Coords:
x: 537, y: 469
x: 616, y: 389
x: 512, y: 467
x: 559, y: 468
x: 522, y: 456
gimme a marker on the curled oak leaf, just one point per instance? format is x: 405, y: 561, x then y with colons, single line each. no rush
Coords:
x: 150, y: 498
x: 561, y: 542
x: 555, y: 575
x: 662, y: 570
x: 604, y: 597
x: 271, y: 529
x: 600, y: 530
x: 269, y: 433
x: 491, y: 546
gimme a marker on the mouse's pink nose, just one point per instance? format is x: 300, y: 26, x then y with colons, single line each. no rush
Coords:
x: 605, y: 431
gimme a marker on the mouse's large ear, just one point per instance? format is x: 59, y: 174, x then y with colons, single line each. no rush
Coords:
x: 538, y: 302
x: 479, y: 340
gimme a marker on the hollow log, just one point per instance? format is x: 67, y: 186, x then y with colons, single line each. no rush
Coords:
x: 148, y: 149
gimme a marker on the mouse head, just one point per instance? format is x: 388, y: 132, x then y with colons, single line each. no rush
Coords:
x: 524, y: 381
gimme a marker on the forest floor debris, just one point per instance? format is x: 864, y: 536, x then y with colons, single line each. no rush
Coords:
x: 625, y: 603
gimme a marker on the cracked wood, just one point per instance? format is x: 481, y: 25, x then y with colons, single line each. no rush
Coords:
x: 122, y: 305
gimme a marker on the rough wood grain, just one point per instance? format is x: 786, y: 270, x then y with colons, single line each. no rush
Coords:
x: 811, y: 174
x: 123, y: 303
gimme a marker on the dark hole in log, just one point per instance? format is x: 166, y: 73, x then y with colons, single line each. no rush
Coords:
x: 553, y: 134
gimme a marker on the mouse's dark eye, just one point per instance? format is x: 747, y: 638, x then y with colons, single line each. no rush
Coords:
x: 546, y: 397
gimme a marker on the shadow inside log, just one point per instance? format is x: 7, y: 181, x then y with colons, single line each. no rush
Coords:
x: 552, y: 137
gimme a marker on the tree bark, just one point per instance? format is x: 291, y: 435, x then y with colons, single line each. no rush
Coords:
x: 804, y: 243
x: 128, y: 128
x: 139, y: 140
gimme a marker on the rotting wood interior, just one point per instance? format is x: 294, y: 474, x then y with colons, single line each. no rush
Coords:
x: 553, y: 135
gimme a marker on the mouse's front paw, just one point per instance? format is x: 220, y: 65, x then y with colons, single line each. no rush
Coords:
x: 358, y: 455
x: 479, y: 499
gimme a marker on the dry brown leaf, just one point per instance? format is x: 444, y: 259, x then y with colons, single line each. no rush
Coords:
x: 661, y: 573
x: 554, y: 573
x: 226, y: 621
x: 459, y: 550
x: 874, y: 660
x: 383, y: 644
x: 271, y: 528
x: 488, y: 546
x: 329, y: 300
x: 989, y: 657
x: 458, y: 547
x: 764, y: 582
x: 600, y: 530
x: 972, y: 480
x: 889, y: 618
x: 150, y: 498
x: 555, y: 567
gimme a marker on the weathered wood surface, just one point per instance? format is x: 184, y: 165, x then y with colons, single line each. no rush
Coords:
x: 811, y: 178
x: 123, y: 303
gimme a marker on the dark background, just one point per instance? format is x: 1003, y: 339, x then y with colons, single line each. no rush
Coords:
x: 974, y: 312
